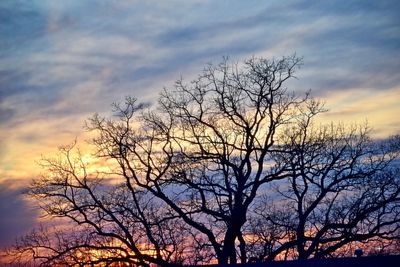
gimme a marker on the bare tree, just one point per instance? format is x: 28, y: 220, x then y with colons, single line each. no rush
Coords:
x: 111, y: 223
x: 186, y: 176
x: 343, y: 188
x: 221, y: 128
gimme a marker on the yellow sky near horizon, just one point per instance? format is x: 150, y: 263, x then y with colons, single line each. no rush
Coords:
x: 34, y: 139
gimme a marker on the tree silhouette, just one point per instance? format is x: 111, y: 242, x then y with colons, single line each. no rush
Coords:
x: 343, y: 188
x: 188, y: 179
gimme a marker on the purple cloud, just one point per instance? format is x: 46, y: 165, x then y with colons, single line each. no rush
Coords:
x: 17, y: 216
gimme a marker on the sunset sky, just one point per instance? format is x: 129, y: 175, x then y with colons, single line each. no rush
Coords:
x: 62, y: 61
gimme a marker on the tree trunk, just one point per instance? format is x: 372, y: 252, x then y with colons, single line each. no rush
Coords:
x: 228, y: 251
x: 301, y: 241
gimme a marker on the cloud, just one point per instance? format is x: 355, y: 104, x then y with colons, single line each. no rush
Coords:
x: 358, y: 106
x: 345, y: 44
x: 6, y: 114
x: 17, y: 216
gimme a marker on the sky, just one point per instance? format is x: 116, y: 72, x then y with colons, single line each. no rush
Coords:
x: 62, y: 61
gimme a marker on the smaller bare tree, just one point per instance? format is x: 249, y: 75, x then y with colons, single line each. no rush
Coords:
x: 342, y: 188
x: 112, y: 223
